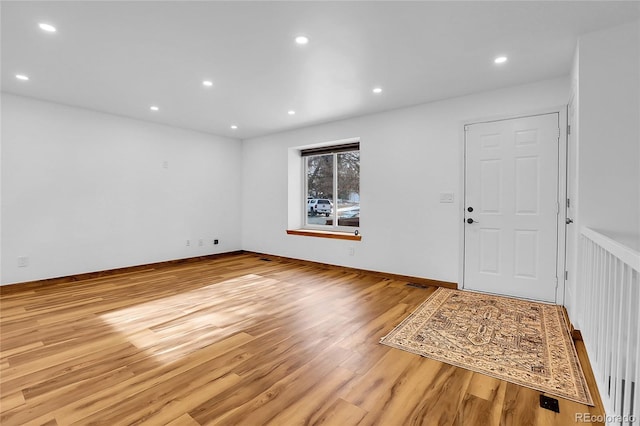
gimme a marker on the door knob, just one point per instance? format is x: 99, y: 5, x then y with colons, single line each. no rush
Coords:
x: 469, y: 209
x: 471, y: 221
x: 568, y: 221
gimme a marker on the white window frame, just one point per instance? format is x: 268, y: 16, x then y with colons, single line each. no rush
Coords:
x: 305, y: 190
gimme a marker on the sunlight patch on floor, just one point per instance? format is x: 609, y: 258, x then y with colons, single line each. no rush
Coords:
x: 171, y: 327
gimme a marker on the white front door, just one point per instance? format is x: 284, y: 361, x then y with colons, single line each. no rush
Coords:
x: 511, y: 207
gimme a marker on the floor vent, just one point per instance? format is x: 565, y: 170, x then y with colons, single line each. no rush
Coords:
x: 422, y: 286
x: 549, y: 403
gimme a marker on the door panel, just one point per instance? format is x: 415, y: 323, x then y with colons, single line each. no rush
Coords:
x: 491, y: 191
x: 489, y: 251
x: 526, y: 252
x: 527, y: 185
x: 511, y: 183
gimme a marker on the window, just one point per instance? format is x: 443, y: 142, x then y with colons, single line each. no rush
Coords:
x: 332, y: 186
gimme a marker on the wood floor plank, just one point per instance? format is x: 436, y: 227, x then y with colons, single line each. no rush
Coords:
x: 154, y: 379
x: 265, y: 407
x: 318, y: 399
x: 10, y: 401
x: 237, y: 340
x: 7, y: 352
x: 433, y: 399
x: 521, y: 406
x: 377, y: 384
x: 482, y: 410
x: 184, y: 420
x: 189, y: 398
x: 34, y: 410
x: 484, y: 387
x: 340, y: 412
x: 56, y: 376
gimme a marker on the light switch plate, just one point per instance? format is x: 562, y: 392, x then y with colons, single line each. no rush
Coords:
x: 446, y: 197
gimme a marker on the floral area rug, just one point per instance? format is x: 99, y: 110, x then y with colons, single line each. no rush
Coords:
x: 522, y: 342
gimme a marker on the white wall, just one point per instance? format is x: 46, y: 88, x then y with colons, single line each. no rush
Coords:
x: 609, y: 129
x: 84, y: 191
x: 408, y: 156
x: 606, y: 145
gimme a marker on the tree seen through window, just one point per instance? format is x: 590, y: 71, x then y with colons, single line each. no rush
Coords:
x: 335, y: 177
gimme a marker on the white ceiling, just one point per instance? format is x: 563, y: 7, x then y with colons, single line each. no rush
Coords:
x: 122, y: 57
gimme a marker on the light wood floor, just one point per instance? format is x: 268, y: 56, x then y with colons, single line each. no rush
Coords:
x: 237, y: 341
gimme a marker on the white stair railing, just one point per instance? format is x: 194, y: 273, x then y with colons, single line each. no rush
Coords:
x: 609, y: 301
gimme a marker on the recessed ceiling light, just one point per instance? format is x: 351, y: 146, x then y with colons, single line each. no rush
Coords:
x: 22, y: 77
x: 291, y: 112
x: 234, y: 127
x: 500, y: 60
x: 207, y: 83
x: 47, y: 27
x: 302, y: 40
x: 154, y: 108
x: 377, y: 90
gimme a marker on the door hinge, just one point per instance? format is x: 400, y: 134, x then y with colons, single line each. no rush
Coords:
x: 559, y: 133
x: 568, y: 202
x: 568, y: 129
x: 556, y: 282
x: 557, y: 208
x: 566, y: 275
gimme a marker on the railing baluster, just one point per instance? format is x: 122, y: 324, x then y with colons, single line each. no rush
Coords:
x: 618, y: 373
x: 606, y: 361
x: 636, y: 403
x: 608, y: 303
x: 629, y: 368
x: 599, y: 292
x: 608, y: 364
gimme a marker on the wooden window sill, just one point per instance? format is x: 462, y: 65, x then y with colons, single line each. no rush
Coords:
x: 325, y: 234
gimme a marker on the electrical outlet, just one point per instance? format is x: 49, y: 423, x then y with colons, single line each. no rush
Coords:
x: 188, y: 243
x: 352, y: 251
x: 200, y: 242
x: 23, y: 262
x: 215, y: 241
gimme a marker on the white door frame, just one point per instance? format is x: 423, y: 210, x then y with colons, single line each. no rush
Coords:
x: 562, y: 192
